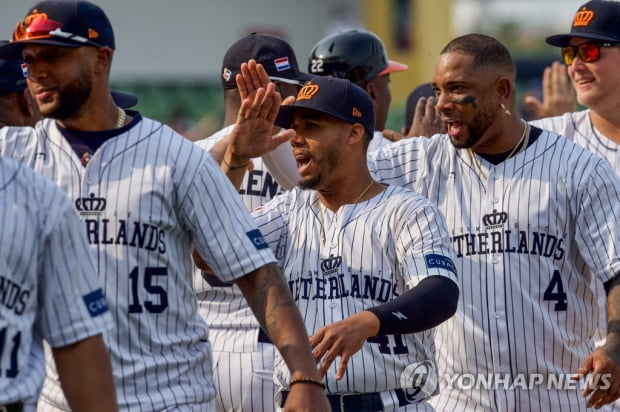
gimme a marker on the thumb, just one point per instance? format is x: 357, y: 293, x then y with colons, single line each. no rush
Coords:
x: 283, y: 136
x: 533, y: 105
x: 392, y: 135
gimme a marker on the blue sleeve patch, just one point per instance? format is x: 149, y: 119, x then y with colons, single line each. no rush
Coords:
x: 440, y: 261
x: 96, y: 303
x: 257, y: 238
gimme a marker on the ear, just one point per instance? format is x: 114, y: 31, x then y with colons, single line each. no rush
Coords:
x: 370, y: 89
x: 504, y: 89
x: 356, y: 133
x: 103, y: 60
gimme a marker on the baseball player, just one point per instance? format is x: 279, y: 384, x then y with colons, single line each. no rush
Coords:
x: 48, y: 290
x: 533, y: 218
x: 360, y: 56
x: 595, y: 81
x: 147, y: 197
x: 16, y: 103
x: 362, y: 260
x: 243, y: 355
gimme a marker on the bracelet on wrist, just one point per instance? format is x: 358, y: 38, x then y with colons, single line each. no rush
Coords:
x: 307, y: 380
x: 231, y: 167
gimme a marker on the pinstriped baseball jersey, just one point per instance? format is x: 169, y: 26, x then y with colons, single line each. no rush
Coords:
x: 373, y: 252
x: 378, y: 141
x: 528, y: 237
x: 578, y: 127
x: 223, y: 305
x: 146, y: 198
x: 240, y: 362
x: 48, y: 284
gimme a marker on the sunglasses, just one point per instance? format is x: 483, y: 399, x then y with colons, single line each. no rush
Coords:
x: 41, y: 27
x: 587, y: 52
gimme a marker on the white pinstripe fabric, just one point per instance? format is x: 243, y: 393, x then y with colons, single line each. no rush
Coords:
x: 374, y: 251
x: 46, y: 276
x: 551, y: 209
x: 163, y: 196
x: 578, y: 127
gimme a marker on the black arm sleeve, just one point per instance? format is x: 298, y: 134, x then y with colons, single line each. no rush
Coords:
x: 428, y: 304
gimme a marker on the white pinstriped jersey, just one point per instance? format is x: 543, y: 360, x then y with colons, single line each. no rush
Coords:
x: 374, y: 251
x: 146, y: 198
x: 223, y: 304
x: 578, y: 127
x: 528, y: 238
x: 48, y: 284
x: 378, y: 141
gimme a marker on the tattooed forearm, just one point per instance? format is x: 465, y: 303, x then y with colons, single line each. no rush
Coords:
x: 272, y: 303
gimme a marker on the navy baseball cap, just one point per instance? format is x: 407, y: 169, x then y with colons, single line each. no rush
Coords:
x: 336, y: 97
x: 275, y: 54
x: 66, y: 23
x: 13, y: 75
x: 596, y: 19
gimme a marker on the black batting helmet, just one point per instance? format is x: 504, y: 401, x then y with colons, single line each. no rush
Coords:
x: 357, y: 55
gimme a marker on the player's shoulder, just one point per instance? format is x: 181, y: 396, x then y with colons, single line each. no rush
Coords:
x: 22, y: 182
x: 404, y: 197
x: 208, y: 142
x: 566, y: 156
x: 418, y: 145
x: 567, y: 124
x: 179, y: 151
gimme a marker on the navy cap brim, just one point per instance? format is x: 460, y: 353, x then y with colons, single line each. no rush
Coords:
x: 563, y: 40
x: 299, y: 80
x: 13, y: 50
x: 124, y: 100
x: 287, y: 112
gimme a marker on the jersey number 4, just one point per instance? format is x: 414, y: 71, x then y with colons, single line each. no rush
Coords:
x: 160, y: 301
x: 555, y: 292
x: 11, y: 372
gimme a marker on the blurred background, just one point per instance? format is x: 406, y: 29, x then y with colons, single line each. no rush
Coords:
x: 169, y: 52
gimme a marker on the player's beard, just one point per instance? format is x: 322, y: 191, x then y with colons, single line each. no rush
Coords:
x: 330, y: 162
x: 71, y: 98
x: 476, y: 128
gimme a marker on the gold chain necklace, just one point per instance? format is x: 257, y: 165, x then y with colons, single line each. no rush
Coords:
x: 120, y: 120
x: 525, y: 138
x: 354, y: 202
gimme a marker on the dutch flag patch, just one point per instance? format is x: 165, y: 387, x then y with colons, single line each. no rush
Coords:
x: 282, y: 64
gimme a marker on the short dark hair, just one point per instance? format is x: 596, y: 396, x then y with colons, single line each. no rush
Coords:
x: 486, y: 51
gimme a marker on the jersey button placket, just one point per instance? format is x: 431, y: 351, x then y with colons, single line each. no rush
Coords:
x: 497, y: 310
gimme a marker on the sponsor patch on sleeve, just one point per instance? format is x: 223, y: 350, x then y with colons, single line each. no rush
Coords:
x: 96, y: 303
x: 257, y: 238
x: 440, y: 261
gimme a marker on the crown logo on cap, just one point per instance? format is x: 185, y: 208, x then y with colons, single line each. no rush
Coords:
x: 583, y: 17
x: 308, y: 91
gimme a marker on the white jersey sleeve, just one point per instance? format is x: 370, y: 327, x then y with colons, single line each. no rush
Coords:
x: 49, y: 285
